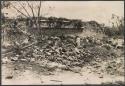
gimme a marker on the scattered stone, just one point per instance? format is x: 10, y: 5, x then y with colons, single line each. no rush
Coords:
x: 56, y: 80
x: 9, y: 77
x: 64, y: 52
x: 101, y: 76
x: 15, y: 69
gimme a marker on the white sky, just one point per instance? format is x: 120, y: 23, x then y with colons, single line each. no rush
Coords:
x: 100, y: 11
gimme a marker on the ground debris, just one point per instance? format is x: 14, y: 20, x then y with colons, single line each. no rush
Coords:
x: 65, y: 54
x: 9, y: 77
x: 56, y: 80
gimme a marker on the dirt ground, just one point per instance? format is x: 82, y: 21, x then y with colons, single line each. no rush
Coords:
x: 22, y: 73
x: 41, y: 72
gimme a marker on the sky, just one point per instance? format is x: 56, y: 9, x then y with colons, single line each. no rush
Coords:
x: 101, y: 11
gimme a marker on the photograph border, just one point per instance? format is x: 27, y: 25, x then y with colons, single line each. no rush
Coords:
x: 50, y: 84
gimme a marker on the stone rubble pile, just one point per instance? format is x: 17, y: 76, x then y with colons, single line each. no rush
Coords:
x: 67, y: 50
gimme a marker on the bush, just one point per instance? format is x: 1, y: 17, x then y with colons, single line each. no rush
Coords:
x: 117, y: 28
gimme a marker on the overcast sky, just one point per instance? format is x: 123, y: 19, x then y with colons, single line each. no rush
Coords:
x: 100, y: 11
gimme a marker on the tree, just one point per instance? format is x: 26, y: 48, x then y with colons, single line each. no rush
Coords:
x: 4, y: 4
x: 117, y: 24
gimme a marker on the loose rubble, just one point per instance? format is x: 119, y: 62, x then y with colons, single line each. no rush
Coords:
x: 71, y: 51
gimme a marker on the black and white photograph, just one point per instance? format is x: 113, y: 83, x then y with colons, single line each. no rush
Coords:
x: 62, y: 42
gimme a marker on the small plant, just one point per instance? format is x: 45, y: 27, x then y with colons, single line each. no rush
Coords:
x: 117, y: 28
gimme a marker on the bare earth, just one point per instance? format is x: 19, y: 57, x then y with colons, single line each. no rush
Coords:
x: 29, y: 74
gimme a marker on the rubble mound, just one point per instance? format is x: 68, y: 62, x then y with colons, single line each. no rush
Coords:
x: 66, y: 50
